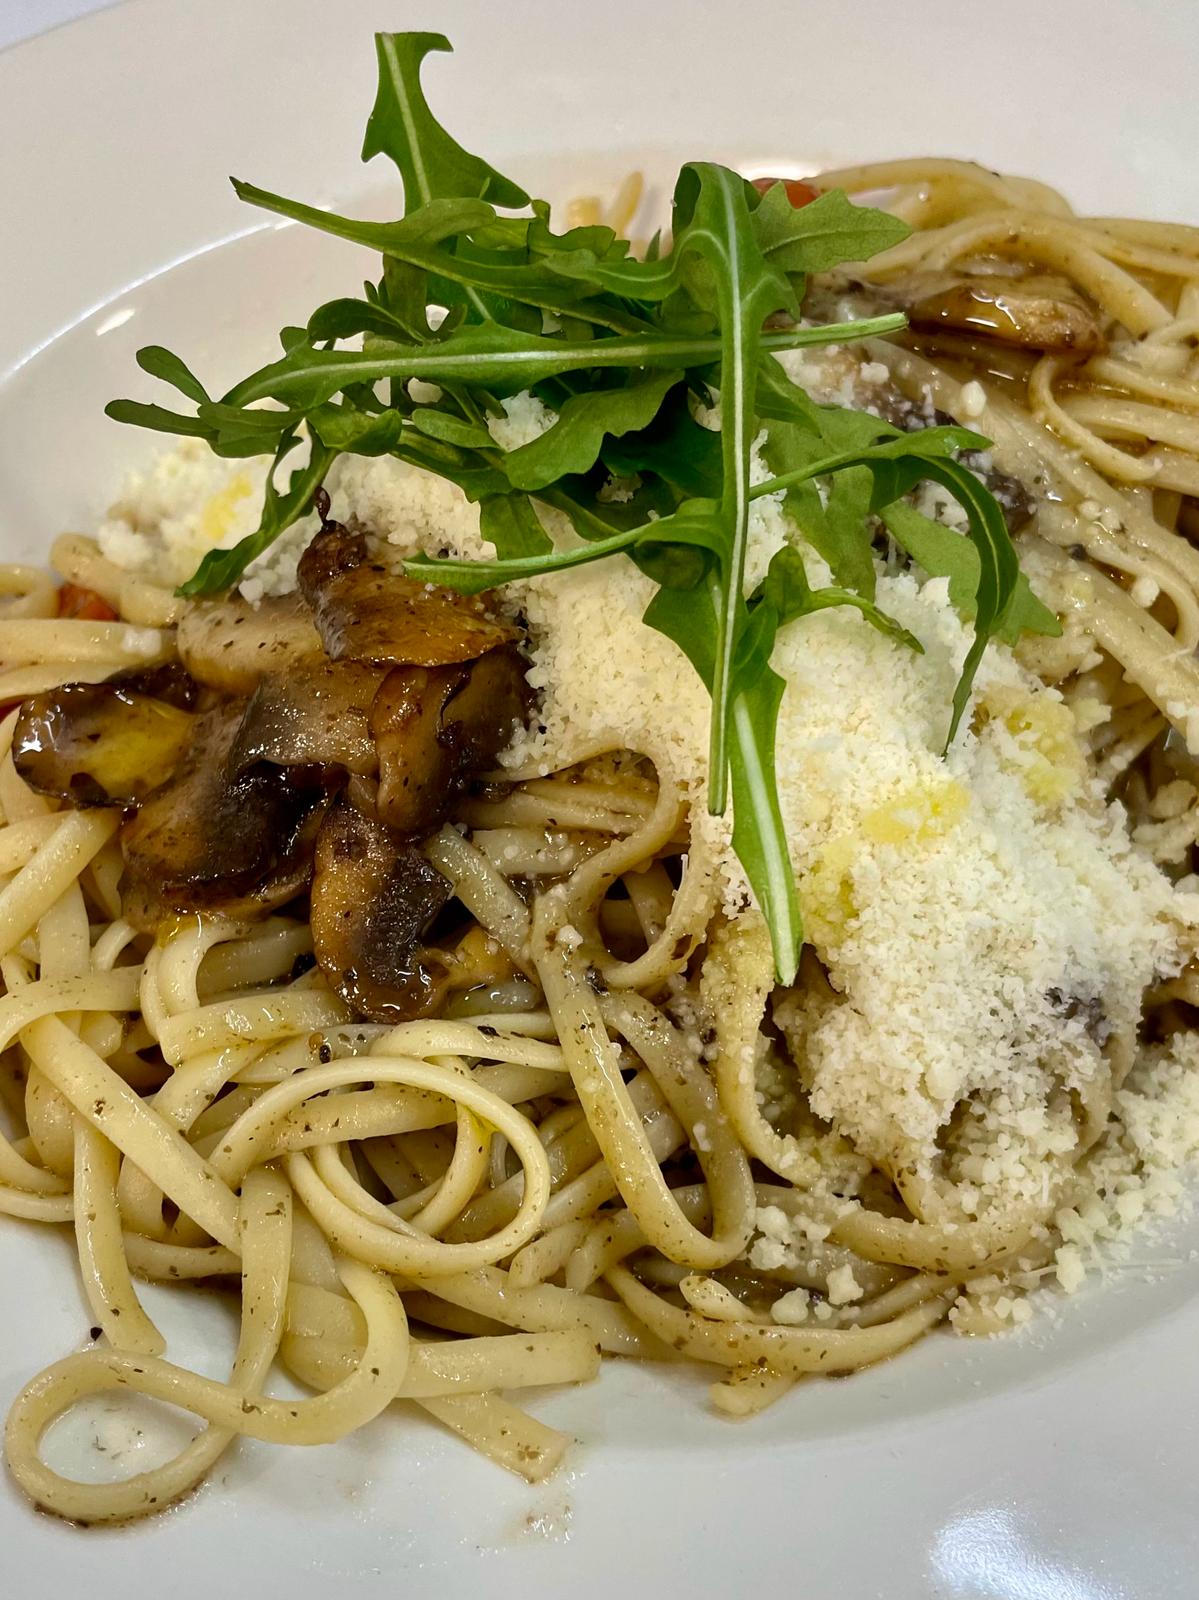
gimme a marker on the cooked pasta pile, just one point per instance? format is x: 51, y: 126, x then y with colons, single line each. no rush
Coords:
x: 617, y: 1135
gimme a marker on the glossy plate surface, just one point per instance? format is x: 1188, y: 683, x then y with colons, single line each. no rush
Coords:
x: 1057, y: 1465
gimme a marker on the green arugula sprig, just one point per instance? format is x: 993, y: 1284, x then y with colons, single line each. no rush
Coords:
x: 484, y: 304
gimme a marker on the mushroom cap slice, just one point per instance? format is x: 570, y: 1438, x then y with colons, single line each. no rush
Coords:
x: 211, y: 840
x: 1030, y: 313
x: 231, y: 645
x: 373, y: 896
x: 367, y: 611
x: 316, y: 715
x: 108, y: 743
x: 436, y: 727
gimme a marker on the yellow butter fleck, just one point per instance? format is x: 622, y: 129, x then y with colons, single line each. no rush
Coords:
x: 826, y: 894
x: 216, y: 519
x: 918, y: 813
x: 1044, y: 747
x: 921, y: 811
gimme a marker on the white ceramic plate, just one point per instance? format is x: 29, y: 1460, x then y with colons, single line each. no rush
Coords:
x: 1057, y: 1465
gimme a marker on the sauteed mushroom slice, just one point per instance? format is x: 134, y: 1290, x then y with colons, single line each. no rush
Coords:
x: 1032, y: 313
x: 109, y: 743
x: 210, y: 840
x: 231, y: 645
x: 436, y: 727
x: 373, y: 897
x: 316, y: 715
x: 169, y: 681
x: 367, y: 611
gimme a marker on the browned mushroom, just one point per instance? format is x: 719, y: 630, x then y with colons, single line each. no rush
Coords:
x: 210, y: 840
x: 435, y: 727
x: 231, y: 645
x: 373, y: 898
x: 1030, y: 312
x: 316, y: 715
x: 109, y: 743
x: 367, y: 611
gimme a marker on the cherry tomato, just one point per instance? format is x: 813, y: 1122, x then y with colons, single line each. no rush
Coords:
x: 798, y: 192
x: 76, y: 601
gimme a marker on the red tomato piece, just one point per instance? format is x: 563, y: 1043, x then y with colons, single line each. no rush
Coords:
x: 798, y: 192
x: 76, y: 601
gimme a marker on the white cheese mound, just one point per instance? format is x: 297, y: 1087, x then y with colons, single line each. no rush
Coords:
x: 525, y: 418
x: 985, y: 920
x: 191, y: 501
x: 791, y: 1309
x: 843, y: 1287
x: 406, y: 506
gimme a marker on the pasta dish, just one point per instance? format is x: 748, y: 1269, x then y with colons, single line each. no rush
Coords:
x: 615, y: 800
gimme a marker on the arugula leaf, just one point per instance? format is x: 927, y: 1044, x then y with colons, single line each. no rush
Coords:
x: 835, y: 528
x: 688, y: 616
x: 344, y: 318
x: 1026, y: 613
x: 401, y: 126
x: 800, y: 434
x: 843, y: 521
x: 573, y: 442
x: 675, y: 550
x: 786, y: 590
x: 167, y: 366
x: 222, y: 568
x: 892, y: 459
x: 418, y: 241
x: 674, y: 447
x: 806, y: 441
x: 759, y: 837
x: 897, y: 466
x: 732, y: 278
x: 227, y: 430
x: 346, y: 427
x: 420, y: 231
x: 156, y: 418
x: 453, y: 430
x: 946, y: 554
x: 504, y: 359
x: 824, y: 233
x: 597, y: 239
x: 512, y: 525
x: 998, y: 569
x: 476, y: 577
x: 679, y: 550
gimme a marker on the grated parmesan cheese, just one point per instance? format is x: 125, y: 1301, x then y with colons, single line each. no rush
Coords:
x: 525, y: 418
x: 1069, y: 1268
x: 791, y: 1308
x: 843, y: 1287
